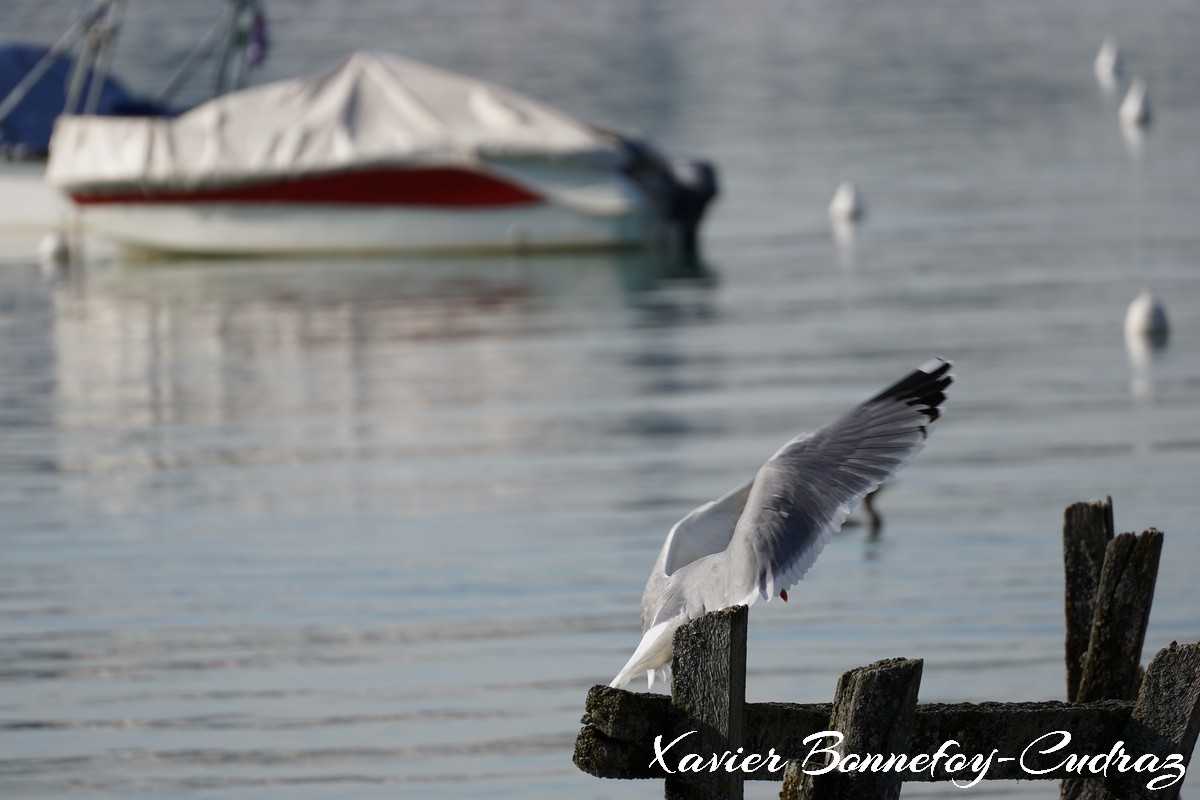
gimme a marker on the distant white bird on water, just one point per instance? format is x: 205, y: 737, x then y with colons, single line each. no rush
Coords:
x: 1108, y: 64
x: 847, y: 203
x: 1135, y: 108
x: 54, y: 254
x: 1146, y: 317
x: 761, y: 538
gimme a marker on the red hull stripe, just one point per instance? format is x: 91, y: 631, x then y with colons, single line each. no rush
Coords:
x: 381, y: 186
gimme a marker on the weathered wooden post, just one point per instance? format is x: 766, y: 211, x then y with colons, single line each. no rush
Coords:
x: 873, y: 708
x: 1123, y: 600
x: 708, y: 688
x: 1165, y: 719
x: 1087, y: 530
x: 1106, y: 664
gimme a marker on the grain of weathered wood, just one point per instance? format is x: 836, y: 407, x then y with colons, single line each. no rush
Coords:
x: 1110, y: 585
x: 1009, y: 729
x: 602, y: 756
x: 1087, y: 530
x: 618, y: 732
x: 783, y: 726
x: 1123, y: 601
x: 873, y: 708
x: 1165, y: 719
x: 625, y: 715
x: 709, y: 689
x: 1111, y: 664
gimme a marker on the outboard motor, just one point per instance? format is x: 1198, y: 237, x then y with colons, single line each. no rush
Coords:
x: 695, y: 187
x: 684, y: 188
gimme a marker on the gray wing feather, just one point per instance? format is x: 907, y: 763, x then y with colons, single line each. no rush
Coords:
x: 803, y: 494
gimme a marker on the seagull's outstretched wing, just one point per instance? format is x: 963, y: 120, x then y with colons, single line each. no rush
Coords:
x: 704, y: 531
x: 803, y: 494
x: 785, y: 516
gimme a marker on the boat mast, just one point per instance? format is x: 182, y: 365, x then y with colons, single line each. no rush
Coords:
x: 230, y: 34
x: 105, y: 34
x: 101, y: 32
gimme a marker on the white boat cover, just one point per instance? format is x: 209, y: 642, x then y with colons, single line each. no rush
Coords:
x: 372, y: 109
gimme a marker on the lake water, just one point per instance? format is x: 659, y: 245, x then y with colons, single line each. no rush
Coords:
x: 371, y: 529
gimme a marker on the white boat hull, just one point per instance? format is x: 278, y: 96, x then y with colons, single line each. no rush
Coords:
x: 228, y: 229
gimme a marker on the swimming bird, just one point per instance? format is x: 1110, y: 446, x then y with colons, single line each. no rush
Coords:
x: 54, y: 254
x: 759, y: 539
x: 847, y: 203
x: 1135, y: 108
x: 1146, y: 317
x: 1108, y: 64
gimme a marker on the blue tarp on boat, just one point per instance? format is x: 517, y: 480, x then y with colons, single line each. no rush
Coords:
x: 30, y: 123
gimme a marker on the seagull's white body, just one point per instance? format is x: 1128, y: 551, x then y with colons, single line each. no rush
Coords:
x: 1135, y: 108
x: 54, y: 252
x: 847, y: 203
x: 759, y: 539
x: 1146, y: 316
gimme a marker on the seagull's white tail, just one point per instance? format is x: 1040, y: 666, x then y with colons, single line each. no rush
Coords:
x: 652, y: 653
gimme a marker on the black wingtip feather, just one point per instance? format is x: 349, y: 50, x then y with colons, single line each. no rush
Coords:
x: 925, y: 387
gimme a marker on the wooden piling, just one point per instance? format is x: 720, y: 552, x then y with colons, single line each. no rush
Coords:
x: 873, y: 708
x: 1111, y: 666
x: 1165, y: 719
x: 1087, y: 530
x: 708, y: 688
x: 1123, y: 600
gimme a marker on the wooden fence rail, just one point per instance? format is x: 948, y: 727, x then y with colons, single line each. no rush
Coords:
x: 704, y: 740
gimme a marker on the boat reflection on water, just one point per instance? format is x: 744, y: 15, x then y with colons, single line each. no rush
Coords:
x: 428, y: 285
x: 266, y: 349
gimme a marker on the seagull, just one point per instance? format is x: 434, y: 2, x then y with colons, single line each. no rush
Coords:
x: 1135, y: 108
x: 54, y: 255
x: 1146, y: 316
x: 847, y: 204
x: 759, y: 539
x: 1108, y: 64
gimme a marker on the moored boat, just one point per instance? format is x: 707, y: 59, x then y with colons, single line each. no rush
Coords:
x: 377, y: 154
